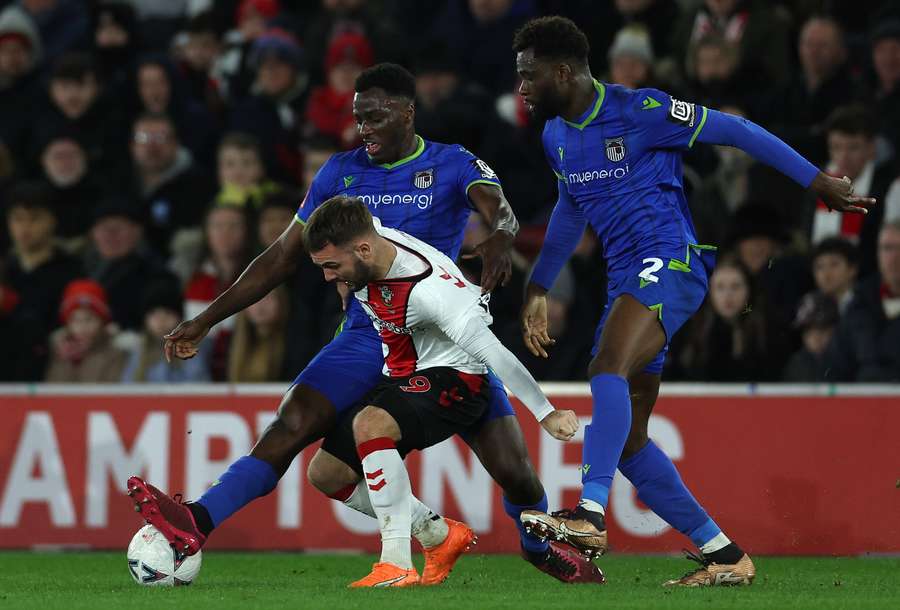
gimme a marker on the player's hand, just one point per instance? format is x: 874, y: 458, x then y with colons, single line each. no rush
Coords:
x: 496, y: 260
x: 535, y: 326
x: 343, y: 290
x: 562, y: 425
x: 182, y: 342
x: 837, y: 194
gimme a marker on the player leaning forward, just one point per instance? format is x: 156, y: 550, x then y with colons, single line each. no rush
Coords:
x: 434, y: 328
x: 425, y: 189
x: 616, y: 153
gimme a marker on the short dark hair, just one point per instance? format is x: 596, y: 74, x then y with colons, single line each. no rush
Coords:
x: 155, y: 117
x: 75, y: 66
x: 242, y: 141
x: 852, y: 119
x: 337, y: 221
x: 393, y: 78
x: 838, y: 246
x: 554, y: 37
x: 31, y: 195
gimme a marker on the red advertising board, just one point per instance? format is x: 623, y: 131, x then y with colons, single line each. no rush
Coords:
x: 792, y: 473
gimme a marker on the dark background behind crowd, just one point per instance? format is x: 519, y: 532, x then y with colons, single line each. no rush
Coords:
x: 149, y: 149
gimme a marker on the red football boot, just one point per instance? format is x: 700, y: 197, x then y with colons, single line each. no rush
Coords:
x: 171, y: 517
x: 566, y: 565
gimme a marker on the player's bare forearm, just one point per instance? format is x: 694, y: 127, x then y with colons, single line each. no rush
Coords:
x: 495, y: 251
x: 265, y: 272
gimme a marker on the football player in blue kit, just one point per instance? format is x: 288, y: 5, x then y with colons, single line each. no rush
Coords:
x: 617, y: 155
x: 427, y: 190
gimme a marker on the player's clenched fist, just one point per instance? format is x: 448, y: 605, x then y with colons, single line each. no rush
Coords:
x: 561, y: 425
x: 182, y: 342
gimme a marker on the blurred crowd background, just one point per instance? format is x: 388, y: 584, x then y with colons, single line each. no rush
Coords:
x: 149, y: 149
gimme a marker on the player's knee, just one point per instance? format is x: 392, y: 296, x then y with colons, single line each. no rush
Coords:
x: 608, y: 362
x: 374, y: 422
x: 301, y: 414
x: 328, y: 474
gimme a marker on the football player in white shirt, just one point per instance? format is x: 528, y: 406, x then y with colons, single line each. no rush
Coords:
x: 438, y: 347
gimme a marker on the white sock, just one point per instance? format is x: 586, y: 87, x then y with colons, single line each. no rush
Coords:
x: 390, y: 493
x: 719, y: 542
x: 594, y: 507
x: 429, y: 528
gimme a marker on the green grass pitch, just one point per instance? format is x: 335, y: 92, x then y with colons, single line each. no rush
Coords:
x: 98, y: 581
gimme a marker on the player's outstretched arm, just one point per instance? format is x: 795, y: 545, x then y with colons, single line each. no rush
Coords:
x: 495, y: 251
x: 478, y: 340
x: 263, y: 274
x: 836, y: 193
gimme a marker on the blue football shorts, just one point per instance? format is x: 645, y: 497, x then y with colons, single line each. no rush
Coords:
x: 673, y: 287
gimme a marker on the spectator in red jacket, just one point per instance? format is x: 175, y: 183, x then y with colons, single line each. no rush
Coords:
x: 330, y: 109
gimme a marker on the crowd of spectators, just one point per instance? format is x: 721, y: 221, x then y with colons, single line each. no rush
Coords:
x: 148, y: 150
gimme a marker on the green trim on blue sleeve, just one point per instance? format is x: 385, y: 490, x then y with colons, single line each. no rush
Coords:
x: 699, y: 128
x: 299, y: 220
x: 559, y: 176
x: 474, y: 182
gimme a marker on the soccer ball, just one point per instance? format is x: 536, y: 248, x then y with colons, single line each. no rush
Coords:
x: 154, y: 563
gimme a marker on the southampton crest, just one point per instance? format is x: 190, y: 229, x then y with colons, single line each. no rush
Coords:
x: 387, y: 295
x: 615, y: 149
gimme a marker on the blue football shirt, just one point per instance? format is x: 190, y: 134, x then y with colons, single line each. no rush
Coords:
x: 424, y: 194
x: 620, y: 163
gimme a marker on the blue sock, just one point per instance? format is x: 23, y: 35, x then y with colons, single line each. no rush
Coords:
x: 660, y: 487
x: 245, y: 480
x: 530, y: 543
x: 605, y: 437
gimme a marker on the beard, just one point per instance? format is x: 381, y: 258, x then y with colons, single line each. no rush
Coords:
x: 362, y: 275
x: 549, y: 108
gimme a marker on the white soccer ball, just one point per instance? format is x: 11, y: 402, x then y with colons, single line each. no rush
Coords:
x: 154, y: 563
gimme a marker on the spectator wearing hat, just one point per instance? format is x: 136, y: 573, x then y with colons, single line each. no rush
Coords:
x: 20, y: 54
x: 851, y: 135
x: 886, y: 61
x: 36, y: 270
x: 817, y: 318
x: 631, y: 58
x: 330, y: 109
x: 173, y: 192
x: 275, y: 110
x: 835, y: 266
x: 866, y: 346
x: 82, y: 351
x: 119, y: 260
x: 162, y: 308
x: 449, y: 108
x: 64, y: 165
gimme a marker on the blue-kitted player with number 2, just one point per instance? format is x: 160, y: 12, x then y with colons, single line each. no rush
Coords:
x: 617, y: 155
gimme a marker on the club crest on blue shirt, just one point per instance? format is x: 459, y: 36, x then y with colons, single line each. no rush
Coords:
x: 615, y: 149
x: 424, y: 180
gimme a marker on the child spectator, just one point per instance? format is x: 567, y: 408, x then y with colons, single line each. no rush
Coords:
x: 257, y: 349
x: 82, y: 350
x: 275, y: 215
x: 162, y: 307
x: 816, y: 319
x: 330, y: 109
x: 317, y: 150
x: 834, y: 267
x: 242, y: 175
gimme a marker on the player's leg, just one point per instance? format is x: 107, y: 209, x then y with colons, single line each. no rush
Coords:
x: 630, y: 338
x: 443, y: 540
x: 500, y: 446
x: 660, y: 487
x: 336, y: 379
